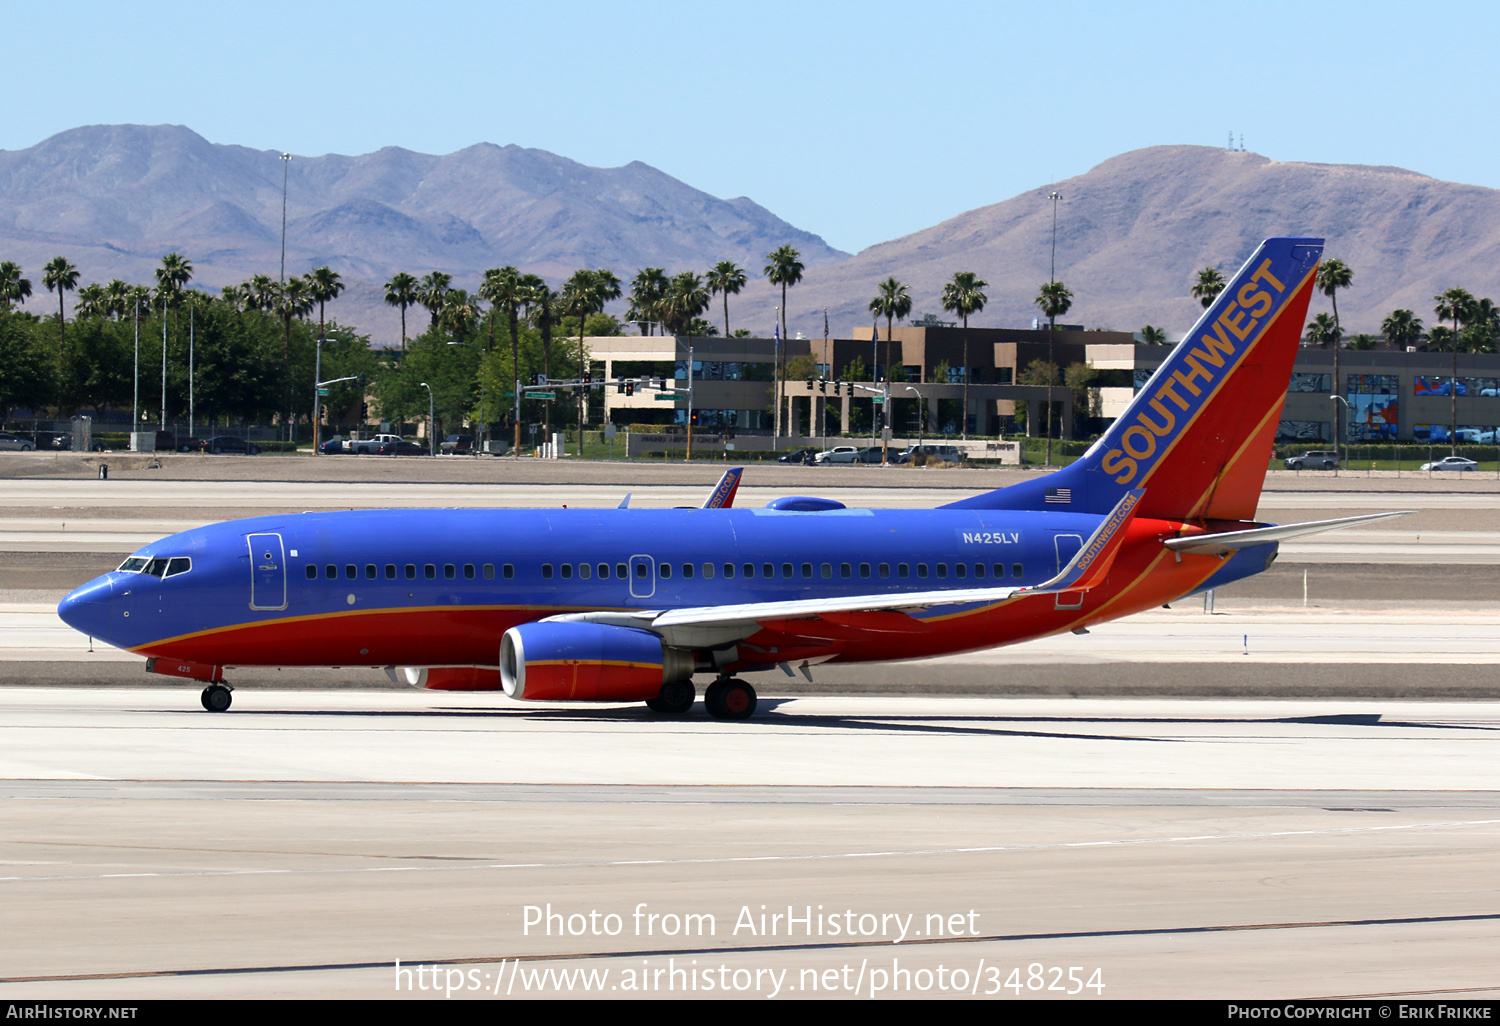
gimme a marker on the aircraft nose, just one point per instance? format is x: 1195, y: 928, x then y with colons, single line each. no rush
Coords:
x: 87, y: 607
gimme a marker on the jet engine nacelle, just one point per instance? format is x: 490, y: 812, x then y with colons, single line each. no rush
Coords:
x: 587, y: 662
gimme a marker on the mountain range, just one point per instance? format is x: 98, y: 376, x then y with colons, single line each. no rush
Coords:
x: 1131, y: 233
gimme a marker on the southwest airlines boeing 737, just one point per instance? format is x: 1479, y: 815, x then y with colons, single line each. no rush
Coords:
x: 624, y: 605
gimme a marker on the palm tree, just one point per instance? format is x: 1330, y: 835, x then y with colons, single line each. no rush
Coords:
x: 323, y: 284
x: 60, y: 276
x: 506, y: 289
x: 1208, y: 286
x: 686, y: 298
x: 583, y: 294
x: 893, y: 303
x: 431, y: 292
x: 401, y: 291
x: 1153, y: 336
x: 1456, y: 305
x: 647, y: 290
x: 784, y: 269
x: 726, y: 278
x: 13, y: 287
x: 1402, y: 328
x: 93, y: 301
x: 964, y: 295
x: 117, y: 299
x: 260, y: 293
x: 1320, y: 332
x: 461, y: 312
x: 1332, y: 276
x: 1054, y: 300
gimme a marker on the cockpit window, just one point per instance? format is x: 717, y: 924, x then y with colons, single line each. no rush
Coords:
x: 161, y: 566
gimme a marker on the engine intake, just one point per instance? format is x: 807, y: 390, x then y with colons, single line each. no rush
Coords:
x: 587, y: 662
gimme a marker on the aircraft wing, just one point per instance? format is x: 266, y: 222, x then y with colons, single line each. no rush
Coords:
x: 1085, y: 570
x: 1228, y: 541
x: 722, y: 497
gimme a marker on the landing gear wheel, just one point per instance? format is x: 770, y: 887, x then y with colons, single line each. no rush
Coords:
x: 730, y: 700
x: 216, y: 698
x: 676, y: 698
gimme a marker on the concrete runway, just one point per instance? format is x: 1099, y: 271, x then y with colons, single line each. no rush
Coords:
x: 1308, y: 833
x: 300, y: 845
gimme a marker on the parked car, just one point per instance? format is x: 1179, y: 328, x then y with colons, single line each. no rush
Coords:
x: 838, y: 454
x: 925, y: 453
x: 14, y: 443
x: 1314, y: 459
x: 871, y: 454
x: 803, y: 455
x: 191, y: 445
x: 229, y: 443
x: 456, y: 445
x: 379, y: 445
x: 333, y: 446
x: 406, y: 447
x: 1451, y: 463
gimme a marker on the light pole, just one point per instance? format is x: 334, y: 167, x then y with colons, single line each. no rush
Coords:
x: 921, y: 403
x: 286, y: 165
x: 431, y: 438
x: 1338, y: 456
x: 1054, y: 197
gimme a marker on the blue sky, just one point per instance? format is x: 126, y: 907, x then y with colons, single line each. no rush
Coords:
x: 859, y: 121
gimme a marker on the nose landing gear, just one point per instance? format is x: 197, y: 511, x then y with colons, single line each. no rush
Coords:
x: 216, y: 697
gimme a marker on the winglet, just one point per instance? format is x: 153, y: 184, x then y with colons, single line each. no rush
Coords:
x: 722, y: 497
x: 625, y: 502
x: 1089, y: 567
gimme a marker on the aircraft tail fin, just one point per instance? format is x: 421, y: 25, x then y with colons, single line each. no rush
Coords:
x: 1198, y: 435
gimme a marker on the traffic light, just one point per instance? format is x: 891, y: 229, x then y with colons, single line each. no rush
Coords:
x: 619, y: 388
x: 823, y: 385
x: 364, y: 411
x: 630, y: 388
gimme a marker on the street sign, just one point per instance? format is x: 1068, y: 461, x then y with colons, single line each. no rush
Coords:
x: 671, y: 397
x: 322, y: 391
x: 880, y: 398
x: 541, y: 395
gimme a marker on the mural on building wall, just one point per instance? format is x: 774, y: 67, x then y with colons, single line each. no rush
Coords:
x: 1468, y: 434
x: 1304, y: 431
x: 1311, y: 383
x: 1374, y: 407
x: 1430, y: 384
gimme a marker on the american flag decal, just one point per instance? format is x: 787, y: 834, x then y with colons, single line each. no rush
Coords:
x: 1063, y: 495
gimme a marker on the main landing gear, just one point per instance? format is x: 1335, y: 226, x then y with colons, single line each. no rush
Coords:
x: 727, y: 698
x: 216, y: 697
x: 675, y: 699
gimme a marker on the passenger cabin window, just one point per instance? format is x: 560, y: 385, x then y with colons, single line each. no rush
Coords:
x: 331, y: 572
x: 708, y: 571
x: 351, y: 572
x: 370, y: 571
x: 825, y: 571
x: 546, y: 571
x: 903, y: 570
x: 786, y: 570
x: 390, y: 571
x: 864, y: 570
x: 942, y: 570
x: 728, y: 571
x: 450, y: 572
x: 666, y: 571
x: 749, y: 570
x: 585, y: 571
x: 806, y: 570
x: 312, y: 572
x: 687, y: 571
x: 768, y: 570
x: 411, y: 571
x: 1015, y: 570
x: 921, y: 569
x: 468, y: 571
x: 846, y: 571
x: 567, y: 571
x: 429, y: 570
x: 621, y: 572
x: 603, y: 571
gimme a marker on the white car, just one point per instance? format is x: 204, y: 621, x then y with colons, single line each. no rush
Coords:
x: 838, y: 454
x: 1451, y: 463
x: 14, y: 442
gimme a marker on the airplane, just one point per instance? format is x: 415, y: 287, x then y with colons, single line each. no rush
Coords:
x: 627, y: 605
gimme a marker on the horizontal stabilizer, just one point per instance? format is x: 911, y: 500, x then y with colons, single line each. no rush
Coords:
x: 1228, y: 541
